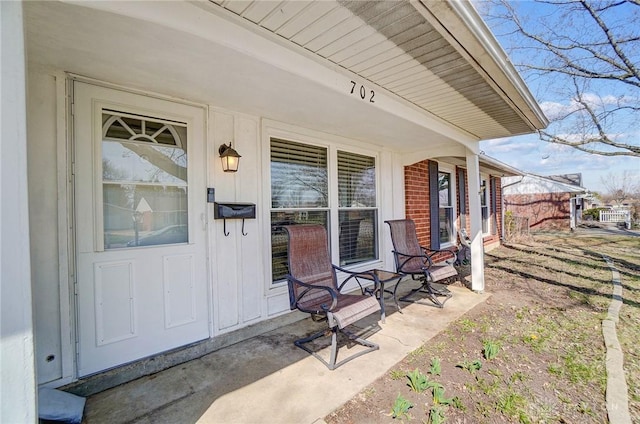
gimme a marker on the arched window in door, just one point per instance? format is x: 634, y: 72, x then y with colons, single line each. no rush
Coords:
x: 144, y: 180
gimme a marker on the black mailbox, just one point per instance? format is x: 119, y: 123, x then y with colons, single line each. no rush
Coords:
x: 234, y: 210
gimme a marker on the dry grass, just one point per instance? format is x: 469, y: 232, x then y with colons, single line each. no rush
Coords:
x: 549, y: 296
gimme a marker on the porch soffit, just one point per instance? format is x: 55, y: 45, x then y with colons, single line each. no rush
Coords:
x: 488, y: 165
x: 393, y: 45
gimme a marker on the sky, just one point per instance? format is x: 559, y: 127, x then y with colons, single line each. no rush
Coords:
x: 530, y: 154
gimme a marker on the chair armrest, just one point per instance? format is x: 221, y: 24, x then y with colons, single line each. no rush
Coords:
x: 400, y: 264
x: 432, y: 252
x: 351, y: 274
x: 291, y: 281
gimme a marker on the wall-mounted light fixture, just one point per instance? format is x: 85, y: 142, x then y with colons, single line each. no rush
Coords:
x: 230, y: 158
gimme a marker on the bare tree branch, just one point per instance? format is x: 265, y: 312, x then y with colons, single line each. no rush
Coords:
x: 619, y: 187
x: 591, y: 51
x: 612, y: 40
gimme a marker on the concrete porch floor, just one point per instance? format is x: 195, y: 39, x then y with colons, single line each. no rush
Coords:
x: 267, y: 379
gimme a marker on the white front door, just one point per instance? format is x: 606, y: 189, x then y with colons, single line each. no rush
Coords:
x: 139, y: 196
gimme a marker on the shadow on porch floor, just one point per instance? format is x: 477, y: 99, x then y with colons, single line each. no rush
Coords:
x: 267, y: 379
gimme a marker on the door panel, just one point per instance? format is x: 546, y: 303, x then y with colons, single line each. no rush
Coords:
x: 114, y: 302
x: 139, y: 165
x: 179, y: 293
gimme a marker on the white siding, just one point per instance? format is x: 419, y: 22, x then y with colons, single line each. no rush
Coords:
x: 43, y: 218
x: 534, y: 185
x: 17, y: 385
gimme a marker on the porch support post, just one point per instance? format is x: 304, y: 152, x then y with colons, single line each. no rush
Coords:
x: 17, y: 364
x: 475, y: 218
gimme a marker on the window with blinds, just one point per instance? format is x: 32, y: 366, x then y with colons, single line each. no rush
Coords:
x: 298, y: 175
x: 299, y: 194
x: 357, y: 213
x: 445, y: 213
x: 484, y: 206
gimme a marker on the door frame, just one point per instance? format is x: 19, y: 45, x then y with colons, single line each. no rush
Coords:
x: 66, y: 219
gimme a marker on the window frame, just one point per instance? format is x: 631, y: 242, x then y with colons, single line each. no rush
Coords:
x: 139, y: 136
x: 485, y: 195
x: 451, y: 170
x: 292, y: 211
x: 332, y: 143
x: 346, y: 209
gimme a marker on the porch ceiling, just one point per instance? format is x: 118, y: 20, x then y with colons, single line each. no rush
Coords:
x: 405, y: 48
x: 291, y: 61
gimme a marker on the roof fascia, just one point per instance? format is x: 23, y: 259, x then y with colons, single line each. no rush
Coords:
x: 456, y: 155
x: 566, y: 187
x: 506, y: 170
x: 460, y: 23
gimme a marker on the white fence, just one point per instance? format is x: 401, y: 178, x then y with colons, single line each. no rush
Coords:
x: 616, y: 216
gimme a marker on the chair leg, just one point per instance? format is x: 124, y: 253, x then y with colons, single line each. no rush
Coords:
x: 301, y: 342
x: 431, y: 292
x: 332, y: 364
x: 434, y: 292
x: 334, y: 349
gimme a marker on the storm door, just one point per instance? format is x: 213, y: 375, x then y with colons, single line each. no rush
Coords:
x: 141, y: 284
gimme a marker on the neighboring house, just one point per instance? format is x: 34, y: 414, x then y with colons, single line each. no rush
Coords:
x: 592, y: 203
x: 548, y: 203
x: 344, y: 113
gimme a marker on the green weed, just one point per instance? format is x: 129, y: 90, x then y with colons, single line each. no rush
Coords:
x: 417, y: 381
x: 584, y: 408
x: 397, y: 374
x: 471, y: 366
x: 440, y: 403
x: 435, y: 368
x: 490, y: 349
x: 555, y: 369
x: 436, y: 414
x: 496, y: 372
x: 488, y: 387
x: 522, y: 313
x: 578, y: 369
x: 400, y: 408
x: 414, y: 354
x: 467, y: 325
x: 368, y: 393
x: 519, y: 376
x: 510, y: 404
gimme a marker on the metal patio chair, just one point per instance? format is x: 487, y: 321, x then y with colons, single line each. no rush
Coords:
x: 419, y: 262
x: 313, y: 289
x: 464, y: 249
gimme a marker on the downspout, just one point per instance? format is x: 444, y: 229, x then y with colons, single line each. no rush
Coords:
x: 573, y: 209
x: 572, y: 213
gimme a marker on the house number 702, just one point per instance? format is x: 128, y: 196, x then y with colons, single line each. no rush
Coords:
x: 362, y: 92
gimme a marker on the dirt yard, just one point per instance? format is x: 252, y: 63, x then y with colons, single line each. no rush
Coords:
x: 532, y: 353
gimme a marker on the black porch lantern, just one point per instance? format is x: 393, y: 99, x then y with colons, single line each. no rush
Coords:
x: 230, y: 158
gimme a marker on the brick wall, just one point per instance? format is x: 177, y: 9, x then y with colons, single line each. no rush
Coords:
x: 546, y: 211
x: 416, y: 181
x: 416, y: 186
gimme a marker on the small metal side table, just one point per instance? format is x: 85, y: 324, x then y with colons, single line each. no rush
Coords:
x: 380, y: 278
